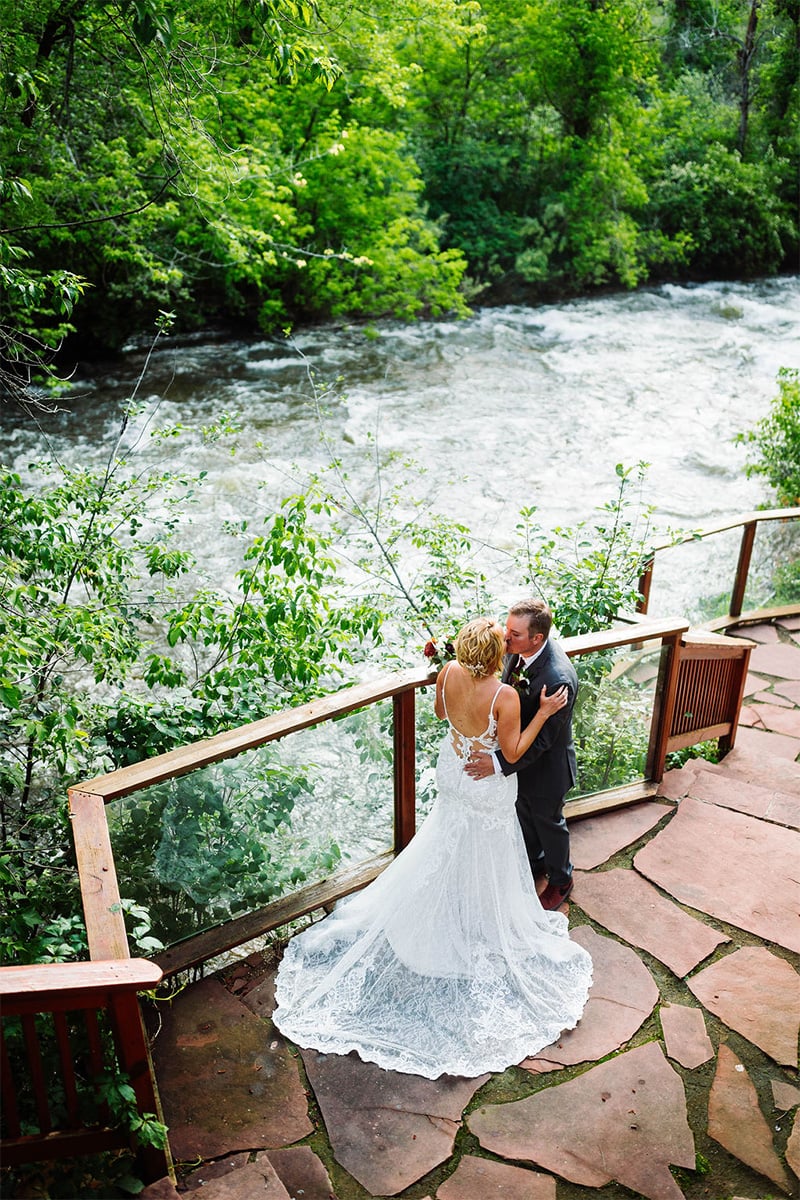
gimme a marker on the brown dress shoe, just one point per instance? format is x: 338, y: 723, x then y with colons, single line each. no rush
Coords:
x: 553, y: 897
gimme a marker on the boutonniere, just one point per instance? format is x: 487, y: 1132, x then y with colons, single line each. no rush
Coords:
x: 519, y: 681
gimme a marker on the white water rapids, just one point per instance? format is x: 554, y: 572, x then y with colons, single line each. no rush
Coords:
x: 513, y: 406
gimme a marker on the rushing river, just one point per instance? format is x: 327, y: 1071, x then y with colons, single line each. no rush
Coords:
x: 514, y: 406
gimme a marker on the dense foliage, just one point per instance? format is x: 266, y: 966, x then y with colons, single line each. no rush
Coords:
x: 776, y: 441
x: 275, y: 160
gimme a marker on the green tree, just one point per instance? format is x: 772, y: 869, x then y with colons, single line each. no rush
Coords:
x: 776, y: 441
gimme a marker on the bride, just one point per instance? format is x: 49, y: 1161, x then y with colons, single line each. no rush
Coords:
x: 447, y: 962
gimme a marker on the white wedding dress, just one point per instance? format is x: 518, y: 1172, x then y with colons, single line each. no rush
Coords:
x: 447, y: 962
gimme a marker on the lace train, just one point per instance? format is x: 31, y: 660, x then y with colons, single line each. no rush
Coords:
x: 447, y: 963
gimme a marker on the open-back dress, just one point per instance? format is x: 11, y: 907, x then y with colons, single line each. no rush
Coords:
x: 447, y: 962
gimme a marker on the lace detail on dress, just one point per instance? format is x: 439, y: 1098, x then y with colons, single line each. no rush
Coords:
x: 464, y: 745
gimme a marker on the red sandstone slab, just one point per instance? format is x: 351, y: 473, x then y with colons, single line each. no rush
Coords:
x: 622, y: 996
x: 720, y: 787
x: 302, y: 1173
x: 757, y: 994
x: 748, y: 719
x: 387, y: 1129
x: 772, y: 698
x: 215, y: 1169
x: 780, y: 660
x: 777, y: 773
x: 790, y: 690
x: 624, y: 1119
x: 625, y: 904
x: 764, y: 743
x: 750, y: 880
x: 227, y: 1081
x: 685, y: 1035
x: 790, y: 623
x: 675, y: 784
x: 778, y: 720
x: 595, y: 839
x: 785, y: 1095
x: 254, y: 1181
x: 162, y: 1189
x: 481, y: 1179
x: 753, y: 683
x: 737, y: 1123
x: 793, y: 1148
x: 764, y: 634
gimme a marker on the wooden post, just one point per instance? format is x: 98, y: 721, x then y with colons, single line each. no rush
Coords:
x: 105, y: 922
x: 664, y: 707
x: 742, y: 568
x: 645, y: 583
x: 404, y: 769
x: 133, y: 1053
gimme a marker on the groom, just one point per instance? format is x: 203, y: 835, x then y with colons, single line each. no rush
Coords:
x: 547, y: 770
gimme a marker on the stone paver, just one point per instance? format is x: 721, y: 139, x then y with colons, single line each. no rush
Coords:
x: 780, y: 660
x: 776, y: 773
x: 777, y: 719
x: 765, y: 635
x: 764, y: 743
x: 481, y: 1179
x: 251, y: 1096
x: 713, y: 784
x: 785, y: 1095
x: 624, y: 1119
x: 593, y: 840
x: 302, y: 1173
x: 770, y: 698
x: 624, y: 903
x: 387, y: 1129
x: 622, y: 996
x: 737, y: 1123
x: 675, y: 784
x: 751, y: 879
x: 793, y: 1148
x: 791, y: 691
x: 757, y: 994
x: 256, y: 1181
x: 685, y: 1035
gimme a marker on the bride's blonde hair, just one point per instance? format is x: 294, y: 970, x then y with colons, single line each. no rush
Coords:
x: 480, y: 646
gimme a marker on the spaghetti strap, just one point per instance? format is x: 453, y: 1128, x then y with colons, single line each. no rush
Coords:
x: 500, y: 686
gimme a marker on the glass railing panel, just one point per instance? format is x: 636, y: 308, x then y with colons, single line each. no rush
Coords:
x: 695, y: 580
x: 613, y: 715
x: 231, y: 837
x: 774, y: 575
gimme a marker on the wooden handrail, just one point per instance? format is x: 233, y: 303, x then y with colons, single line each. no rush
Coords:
x: 749, y: 523
x: 21, y: 988
x: 247, y: 737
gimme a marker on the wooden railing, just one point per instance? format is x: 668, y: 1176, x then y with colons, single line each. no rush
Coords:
x: 749, y: 523
x: 52, y: 992
x: 698, y: 696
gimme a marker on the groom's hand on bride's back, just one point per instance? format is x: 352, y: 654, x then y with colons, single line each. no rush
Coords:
x: 480, y: 765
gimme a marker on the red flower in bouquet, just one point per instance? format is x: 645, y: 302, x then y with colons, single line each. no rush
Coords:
x: 439, y: 655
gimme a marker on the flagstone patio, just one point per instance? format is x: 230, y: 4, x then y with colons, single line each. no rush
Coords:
x: 681, y: 1079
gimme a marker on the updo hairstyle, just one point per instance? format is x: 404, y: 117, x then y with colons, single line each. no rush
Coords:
x: 480, y: 647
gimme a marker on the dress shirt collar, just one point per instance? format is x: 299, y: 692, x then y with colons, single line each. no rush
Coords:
x: 526, y: 663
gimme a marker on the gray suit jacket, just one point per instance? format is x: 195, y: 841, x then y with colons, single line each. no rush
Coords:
x: 548, y: 768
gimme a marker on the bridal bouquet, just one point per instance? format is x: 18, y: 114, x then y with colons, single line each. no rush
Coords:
x: 439, y: 653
